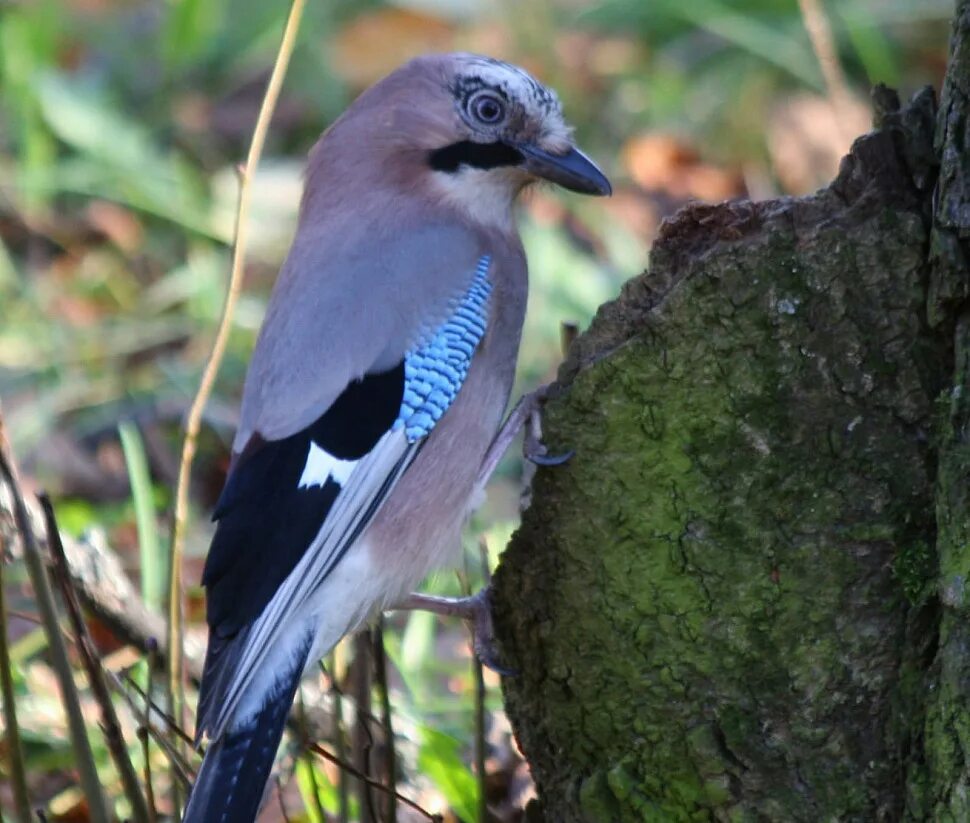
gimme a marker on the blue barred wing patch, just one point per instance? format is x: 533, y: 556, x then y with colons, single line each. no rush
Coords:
x: 436, y: 368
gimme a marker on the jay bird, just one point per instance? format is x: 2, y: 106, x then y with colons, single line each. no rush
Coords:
x: 375, y: 392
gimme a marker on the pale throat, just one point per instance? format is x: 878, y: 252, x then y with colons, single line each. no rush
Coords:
x: 486, y: 196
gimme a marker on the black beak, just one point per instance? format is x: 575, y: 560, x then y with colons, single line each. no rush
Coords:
x: 572, y: 170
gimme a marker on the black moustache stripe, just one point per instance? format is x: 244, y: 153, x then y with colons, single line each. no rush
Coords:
x: 477, y: 155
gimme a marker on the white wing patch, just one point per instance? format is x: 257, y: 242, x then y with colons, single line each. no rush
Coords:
x: 321, y: 466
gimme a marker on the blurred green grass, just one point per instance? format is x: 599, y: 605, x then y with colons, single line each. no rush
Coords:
x: 120, y: 126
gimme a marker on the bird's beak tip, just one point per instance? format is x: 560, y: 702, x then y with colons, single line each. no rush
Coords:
x: 572, y: 170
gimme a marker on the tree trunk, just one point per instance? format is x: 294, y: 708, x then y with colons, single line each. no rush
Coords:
x: 745, y: 597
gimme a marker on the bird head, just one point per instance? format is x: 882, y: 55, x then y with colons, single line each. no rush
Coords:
x: 504, y: 120
x: 473, y: 129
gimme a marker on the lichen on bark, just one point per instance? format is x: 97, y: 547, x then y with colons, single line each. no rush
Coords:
x: 724, y: 607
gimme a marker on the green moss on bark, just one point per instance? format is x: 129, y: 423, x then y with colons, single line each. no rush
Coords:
x: 941, y: 788
x: 718, y: 607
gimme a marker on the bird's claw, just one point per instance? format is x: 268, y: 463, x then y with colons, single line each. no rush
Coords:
x: 533, y: 448
x: 475, y: 610
x: 526, y: 415
x: 541, y: 459
x: 483, y: 634
x: 489, y: 659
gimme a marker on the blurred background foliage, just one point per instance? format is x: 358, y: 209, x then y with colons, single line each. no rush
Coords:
x: 121, y: 124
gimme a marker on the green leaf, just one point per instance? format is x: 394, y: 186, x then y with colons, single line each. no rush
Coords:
x: 778, y: 47
x: 439, y: 761
x: 26, y: 647
x: 871, y: 44
x: 190, y: 28
x: 417, y: 642
x: 120, y: 160
x: 326, y: 791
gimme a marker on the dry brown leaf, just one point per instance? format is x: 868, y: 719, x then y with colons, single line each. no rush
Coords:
x: 192, y: 112
x: 661, y: 162
x: 75, y: 310
x: 69, y: 806
x: 107, y: 642
x: 372, y: 45
x: 590, y: 63
x: 807, y: 139
x: 118, y: 224
x: 125, y: 657
x: 492, y: 36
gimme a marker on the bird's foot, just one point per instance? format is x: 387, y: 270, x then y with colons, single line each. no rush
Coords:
x: 533, y: 448
x: 527, y: 414
x: 477, y: 611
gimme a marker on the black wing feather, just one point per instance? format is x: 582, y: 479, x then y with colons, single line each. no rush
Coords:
x: 266, y: 522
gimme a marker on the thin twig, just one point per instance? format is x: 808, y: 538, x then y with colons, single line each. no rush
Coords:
x: 823, y: 44
x: 105, y: 590
x: 84, y: 757
x: 376, y: 784
x: 479, y: 676
x: 337, y: 698
x: 15, y: 753
x: 30, y: 618
x: 384, y: 694
x: 113, y: 737
x: 568, y: 332
x: 146, y: 742
x: 193, y: 421
x: 153, y: 707
x: 363, y: 741
x: 150, y: 663
x: 180, y: 768
x: 305, y: 737
x: 181, y: 771
x: 282, y: 801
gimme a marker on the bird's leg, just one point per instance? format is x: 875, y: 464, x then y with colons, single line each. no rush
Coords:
x: 476, y: 610
x: 528, y: 414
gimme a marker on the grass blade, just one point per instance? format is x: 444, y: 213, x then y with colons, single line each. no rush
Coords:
x: 151, y: 562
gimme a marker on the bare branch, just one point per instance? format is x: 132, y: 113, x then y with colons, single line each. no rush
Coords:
x: 83, y: 754
x: 113, y: 737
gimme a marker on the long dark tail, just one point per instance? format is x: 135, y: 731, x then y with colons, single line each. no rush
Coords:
x: 230, y: 785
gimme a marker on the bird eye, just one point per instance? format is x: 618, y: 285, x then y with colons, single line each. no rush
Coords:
x: 486, y: 108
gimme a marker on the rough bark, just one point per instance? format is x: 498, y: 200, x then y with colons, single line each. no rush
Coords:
x: 944, y: 784
x: 744, y: 598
